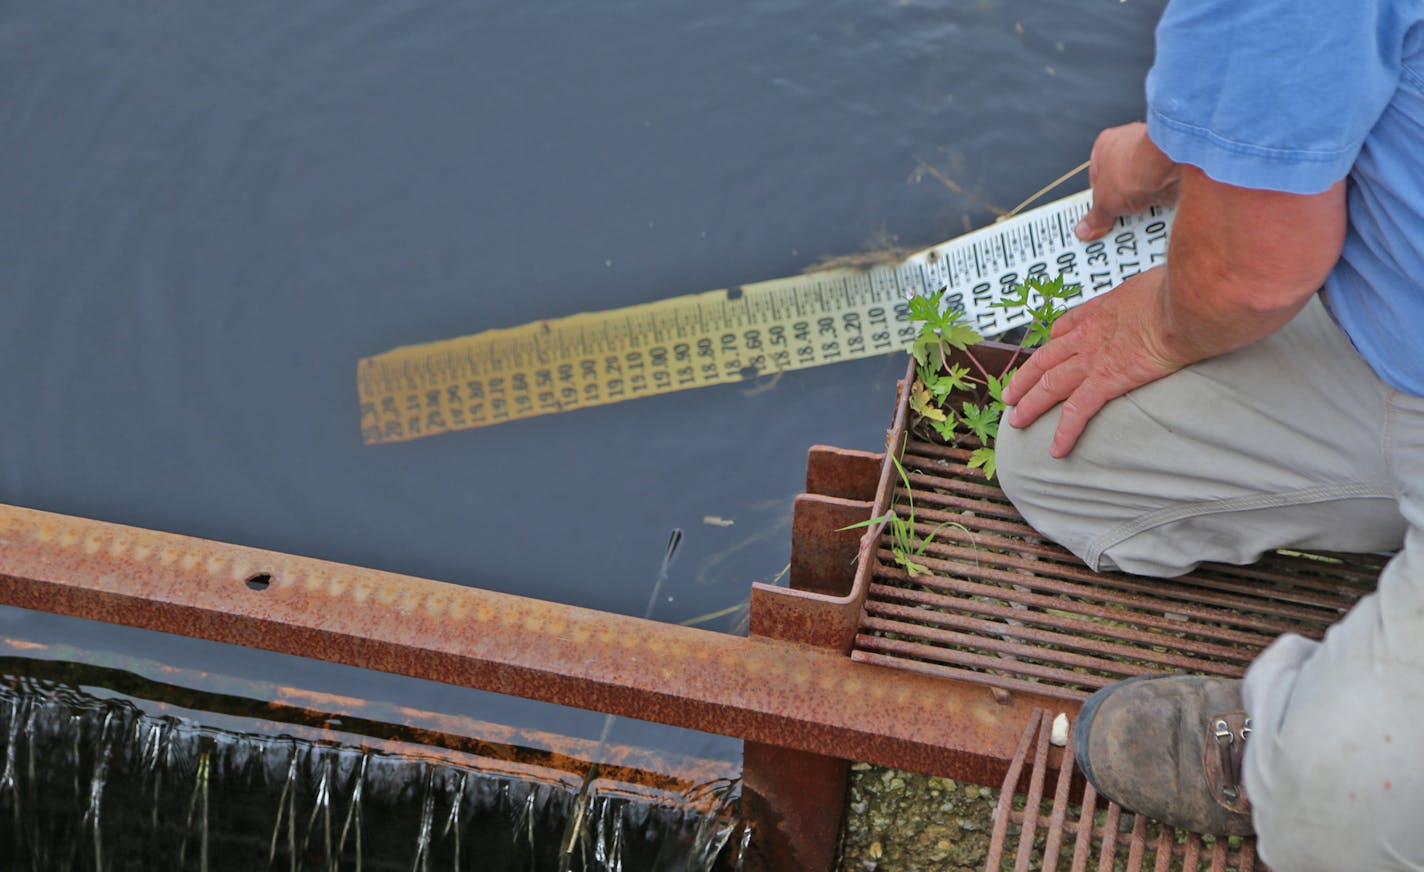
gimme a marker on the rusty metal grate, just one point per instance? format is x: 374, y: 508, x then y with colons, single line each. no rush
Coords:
x: 1003, y: 607
x: 1071, y: 828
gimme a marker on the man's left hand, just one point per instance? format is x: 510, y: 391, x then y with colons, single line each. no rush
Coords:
x: 1098, y: 351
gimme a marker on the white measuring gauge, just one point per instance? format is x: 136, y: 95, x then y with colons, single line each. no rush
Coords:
x: 739, y: 333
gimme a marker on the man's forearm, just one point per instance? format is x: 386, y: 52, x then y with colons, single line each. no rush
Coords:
x: 1242, y: 262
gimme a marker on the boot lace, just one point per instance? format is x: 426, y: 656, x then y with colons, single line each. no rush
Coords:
x: 1231, y: 749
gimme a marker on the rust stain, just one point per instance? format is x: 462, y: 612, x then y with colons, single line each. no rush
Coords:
x: 275, y: 709
x: 507, y: 644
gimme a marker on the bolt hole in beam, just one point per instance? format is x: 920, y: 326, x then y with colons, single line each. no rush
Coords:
x: 260, y: 581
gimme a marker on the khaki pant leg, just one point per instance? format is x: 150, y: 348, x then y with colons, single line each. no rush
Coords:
x: 1277, y: 445
x: 1335, y: 765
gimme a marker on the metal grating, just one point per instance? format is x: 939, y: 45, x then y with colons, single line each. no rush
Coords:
x: 1006, y: 608
x: 1072, y: 829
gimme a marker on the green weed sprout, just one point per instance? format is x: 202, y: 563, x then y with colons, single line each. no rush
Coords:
x: 906, y: 549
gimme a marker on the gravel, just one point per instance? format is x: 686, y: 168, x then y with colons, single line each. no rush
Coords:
x: 900, y: 821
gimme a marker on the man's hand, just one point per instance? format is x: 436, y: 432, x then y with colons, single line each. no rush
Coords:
x: 1099, y: 350
x: 1128, y: 174
x: 1241, y: 263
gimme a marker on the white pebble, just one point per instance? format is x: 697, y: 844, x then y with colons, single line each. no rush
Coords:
x: 1059, y: 736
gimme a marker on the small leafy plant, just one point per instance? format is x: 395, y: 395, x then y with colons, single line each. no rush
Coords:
x: 955, y: 401
x: 904, y: 546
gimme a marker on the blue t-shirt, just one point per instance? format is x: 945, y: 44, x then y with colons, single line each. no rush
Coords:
x: 1294, y: 95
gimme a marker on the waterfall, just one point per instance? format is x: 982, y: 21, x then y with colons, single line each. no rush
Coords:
x: 96, y: 783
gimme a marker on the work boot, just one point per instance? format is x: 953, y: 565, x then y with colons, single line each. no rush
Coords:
x: 1169, y: 747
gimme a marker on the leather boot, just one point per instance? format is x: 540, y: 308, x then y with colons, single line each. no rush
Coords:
x: 1169, y: 747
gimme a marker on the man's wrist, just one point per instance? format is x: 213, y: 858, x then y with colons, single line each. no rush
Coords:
x: 1200, y: 318
x: 1159, y: 178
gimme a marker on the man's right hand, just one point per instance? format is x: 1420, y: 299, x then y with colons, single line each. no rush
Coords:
x: 1128, y: 174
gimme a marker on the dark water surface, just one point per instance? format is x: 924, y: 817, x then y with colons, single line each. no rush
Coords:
x: 210, y: 210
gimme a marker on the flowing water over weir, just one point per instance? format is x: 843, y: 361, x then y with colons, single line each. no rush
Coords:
x: 94, y: 783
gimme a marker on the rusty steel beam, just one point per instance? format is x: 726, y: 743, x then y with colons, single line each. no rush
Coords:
x: 843, y: 472
x: 829, y: 575
x: 796, y: 801
x: 796, y: 798
x: 765, y: 690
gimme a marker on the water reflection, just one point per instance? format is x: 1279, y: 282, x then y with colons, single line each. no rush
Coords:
x: 211, y: 211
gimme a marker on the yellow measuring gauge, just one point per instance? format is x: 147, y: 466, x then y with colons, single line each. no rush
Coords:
x: 739, y: 333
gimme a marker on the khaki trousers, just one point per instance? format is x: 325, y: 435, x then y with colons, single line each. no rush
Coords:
x: 1292, y: 442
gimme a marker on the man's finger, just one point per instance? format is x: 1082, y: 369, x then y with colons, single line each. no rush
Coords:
x: 1078, y: 410
x: 1052, y: 388
x: 1095, y: 224
x: 1042, y: 360
x: 1070, y: 319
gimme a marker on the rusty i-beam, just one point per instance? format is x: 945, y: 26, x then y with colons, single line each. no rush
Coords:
x: 767, y: 690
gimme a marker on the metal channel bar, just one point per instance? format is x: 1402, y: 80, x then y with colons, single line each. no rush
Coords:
x: 887, y: 617
x: 776, y: 692
x: 1205, y: 589
x: 1132, y: 591
x: 1089, y: 607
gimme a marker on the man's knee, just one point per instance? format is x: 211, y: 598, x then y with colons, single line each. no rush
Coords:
x: 1046, y: 490
x: 1023, y: 462
x: 1018, y: 453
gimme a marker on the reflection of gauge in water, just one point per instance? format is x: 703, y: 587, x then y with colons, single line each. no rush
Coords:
x: 739, y: 333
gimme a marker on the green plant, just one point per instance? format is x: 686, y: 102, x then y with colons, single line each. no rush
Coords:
x: 956, y: 401
x: 938, y: 393
x: 902, y: 529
